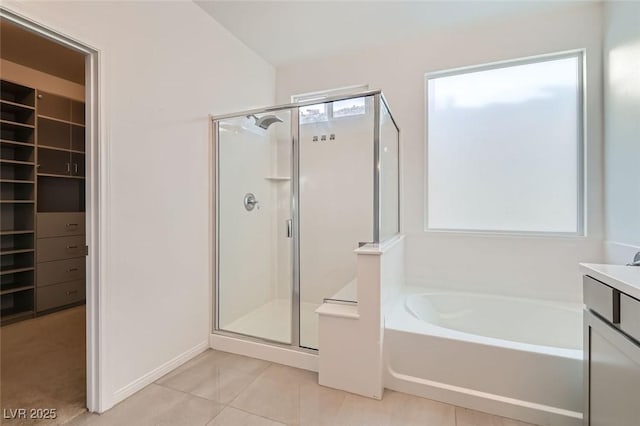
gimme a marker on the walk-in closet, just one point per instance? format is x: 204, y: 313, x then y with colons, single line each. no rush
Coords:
x: 43, y: 246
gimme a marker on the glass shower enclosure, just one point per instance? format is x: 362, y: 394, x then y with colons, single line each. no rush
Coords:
x: 297, y: 188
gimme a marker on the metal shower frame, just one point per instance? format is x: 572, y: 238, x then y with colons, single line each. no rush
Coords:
x: 378, y: 100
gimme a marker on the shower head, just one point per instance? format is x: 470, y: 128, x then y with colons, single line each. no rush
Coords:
x: 265, y: 121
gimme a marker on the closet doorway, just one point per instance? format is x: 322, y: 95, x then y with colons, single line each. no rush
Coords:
x: 48, y: 181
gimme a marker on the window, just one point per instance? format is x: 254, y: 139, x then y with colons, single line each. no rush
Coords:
x: 324, y: 111
x: 504, y: 147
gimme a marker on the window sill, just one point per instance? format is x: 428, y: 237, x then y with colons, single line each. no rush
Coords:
x: 507, y: 234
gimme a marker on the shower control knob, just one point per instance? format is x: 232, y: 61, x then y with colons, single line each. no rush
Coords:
x: 250, y: 201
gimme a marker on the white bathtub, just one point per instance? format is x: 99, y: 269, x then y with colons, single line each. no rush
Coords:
x: 515, y: 357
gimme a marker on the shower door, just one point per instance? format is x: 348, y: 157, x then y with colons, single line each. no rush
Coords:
x: 255, y: 226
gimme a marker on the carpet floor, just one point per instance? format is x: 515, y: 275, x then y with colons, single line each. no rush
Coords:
x: 42, y: 365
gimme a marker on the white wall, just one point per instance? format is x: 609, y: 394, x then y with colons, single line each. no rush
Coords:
x: 545, y: 267
x: 336, y: 202
x: 165, y: 67
x: 622, y: 129
x: 246, y: 254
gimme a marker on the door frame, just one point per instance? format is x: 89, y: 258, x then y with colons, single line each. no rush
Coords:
x: 96, y: 212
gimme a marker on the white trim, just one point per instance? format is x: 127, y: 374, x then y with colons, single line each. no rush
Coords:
x: 277, y: 354
x: 153, y: 375
x: 323, y: 94
x: 97, y: 178
x: 482, y: 401
x: 338, y: 310
x: 581, y: 208
x: 381, y: 248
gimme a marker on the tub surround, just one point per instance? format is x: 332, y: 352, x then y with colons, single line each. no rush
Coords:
x: 623, y: 278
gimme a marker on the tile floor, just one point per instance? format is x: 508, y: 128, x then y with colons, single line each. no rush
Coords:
x: 222, y: 389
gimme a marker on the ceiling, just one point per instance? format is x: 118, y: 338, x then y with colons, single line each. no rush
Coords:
x: 31, y: 50
x: 290, y: 31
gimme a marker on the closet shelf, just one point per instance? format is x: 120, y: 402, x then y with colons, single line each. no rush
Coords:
x: 16, y: 124
x: 16, y: 251
x: 16, y: 181
x: 16, y: 289
x: 60, y: 176
x: 22, y: 163
x: 17, y: 201
x: 17, y: 104
x: 16, y: 270
x: 10, y: 142
x: 11, y: 315
x: 55, y: 148
x: 26, y: 231
x: 46, y: 117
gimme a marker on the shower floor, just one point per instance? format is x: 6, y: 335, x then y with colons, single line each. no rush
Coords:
x: 272, y: 321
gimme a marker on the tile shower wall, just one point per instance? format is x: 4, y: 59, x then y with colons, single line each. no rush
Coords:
x: 246, y: 275
x: 336, y: 201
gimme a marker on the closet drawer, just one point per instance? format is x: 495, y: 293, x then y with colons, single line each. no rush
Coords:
x: 57, y: 295
x: 602, y: 299
x: 59, y: 248
x: 60, y: 224
x: 630, y: 316
x: 60, y: 271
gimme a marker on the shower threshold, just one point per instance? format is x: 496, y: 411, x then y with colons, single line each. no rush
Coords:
x: 272, y: 321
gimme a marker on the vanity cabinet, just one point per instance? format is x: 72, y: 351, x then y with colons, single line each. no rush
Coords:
x: 612, y: 356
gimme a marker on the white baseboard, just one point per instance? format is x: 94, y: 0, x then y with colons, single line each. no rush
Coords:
x: 279, y: 355
x: 156, y: 373
x: 482, y: 401
x: 619, y: 253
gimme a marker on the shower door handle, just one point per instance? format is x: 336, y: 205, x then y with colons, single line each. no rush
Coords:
x: 289, y: 228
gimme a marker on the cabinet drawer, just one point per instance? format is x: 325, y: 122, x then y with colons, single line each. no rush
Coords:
x: 60, y: 224
x: 630, y: 316
x: 59, y: 248
x: 60, y: 271
x: 57, y: 295
x: 601, y: 299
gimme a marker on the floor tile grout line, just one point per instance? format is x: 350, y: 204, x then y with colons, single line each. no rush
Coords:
x: 257, y: 415
x: 248, y: 385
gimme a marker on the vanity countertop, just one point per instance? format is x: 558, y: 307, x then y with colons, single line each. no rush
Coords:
x: 623, y: 278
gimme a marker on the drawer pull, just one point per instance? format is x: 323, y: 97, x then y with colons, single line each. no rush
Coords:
x: 72, y: 247
x: 69, y: 293
x: 72, y: 270
x: 72, y: 226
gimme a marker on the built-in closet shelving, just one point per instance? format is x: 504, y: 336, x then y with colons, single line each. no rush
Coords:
x: 17, y: 201
x: 42, y: 199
